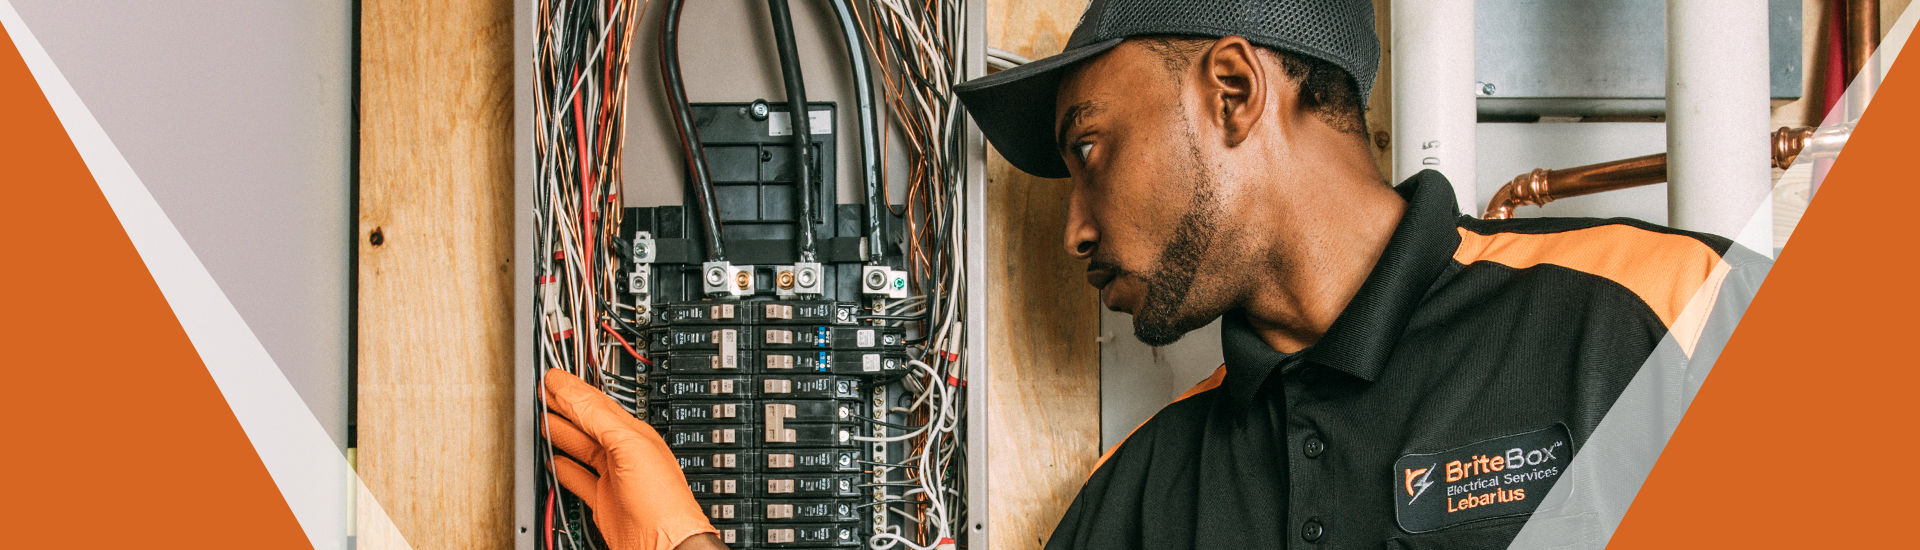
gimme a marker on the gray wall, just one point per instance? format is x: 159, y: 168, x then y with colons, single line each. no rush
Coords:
x: 238, y: 116
x: 727, y: 55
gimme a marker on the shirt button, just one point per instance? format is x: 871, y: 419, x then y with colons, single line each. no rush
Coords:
x: 1312, y: 530
x: 1313, y: 447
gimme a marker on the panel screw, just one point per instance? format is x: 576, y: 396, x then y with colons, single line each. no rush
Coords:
x: 786, y: 279
x: 1486, y: 88
x: 759, y: 109
x: 743, y: 279
x: 716, y: 276
x: 806, y: 278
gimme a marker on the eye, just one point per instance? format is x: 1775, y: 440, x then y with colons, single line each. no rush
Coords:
x: 1082, y: 149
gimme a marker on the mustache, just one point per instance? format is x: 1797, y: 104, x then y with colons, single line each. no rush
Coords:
x: 1105, y: 265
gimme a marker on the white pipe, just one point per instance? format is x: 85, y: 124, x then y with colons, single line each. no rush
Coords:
x: 1717, y: 120
x: 1433, y: 94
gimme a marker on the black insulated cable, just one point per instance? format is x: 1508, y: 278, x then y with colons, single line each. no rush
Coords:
x: 869, y: 129
x: 696, y: 157
x: 801, y: 130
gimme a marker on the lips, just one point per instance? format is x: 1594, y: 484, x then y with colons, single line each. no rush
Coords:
x: 1099, y: 277
x: 1103, y: 279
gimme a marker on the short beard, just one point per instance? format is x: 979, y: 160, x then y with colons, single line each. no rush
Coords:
x: 1174, y: 305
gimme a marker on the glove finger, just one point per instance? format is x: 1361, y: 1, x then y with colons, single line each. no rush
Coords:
x: 577, y: 480
x: 592, y: 411
x: 577, y: 444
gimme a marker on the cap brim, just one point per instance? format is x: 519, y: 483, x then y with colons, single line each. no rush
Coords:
x: 1014, y: 108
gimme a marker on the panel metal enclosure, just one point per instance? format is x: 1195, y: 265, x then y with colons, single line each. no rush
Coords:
x: 1586, y: 58
x: 653, y: 195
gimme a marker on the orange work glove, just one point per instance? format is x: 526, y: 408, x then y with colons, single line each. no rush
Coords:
x: 640, y: 500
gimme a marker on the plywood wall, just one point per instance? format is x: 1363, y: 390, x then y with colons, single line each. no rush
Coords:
x: 435, y: 250
x: 1043, y: 322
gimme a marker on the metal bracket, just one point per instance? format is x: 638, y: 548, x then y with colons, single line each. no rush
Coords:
x: 726, y: 279
x: 880, y: 280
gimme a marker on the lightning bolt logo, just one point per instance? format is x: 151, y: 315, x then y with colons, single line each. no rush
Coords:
x: 1418, y: 481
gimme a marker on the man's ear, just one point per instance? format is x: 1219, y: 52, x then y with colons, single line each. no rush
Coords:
x: 1236, y: 86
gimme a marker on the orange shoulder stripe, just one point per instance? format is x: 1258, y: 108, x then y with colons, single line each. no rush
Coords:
x: 1664, y: 270
x: 1219, y: 375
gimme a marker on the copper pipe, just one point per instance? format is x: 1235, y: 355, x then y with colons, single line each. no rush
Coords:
x: 1863, y: 36
x: 1542, y: 186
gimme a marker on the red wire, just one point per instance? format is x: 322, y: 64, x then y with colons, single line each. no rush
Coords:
x: 586, y: 188
x: 550, y: 519
x: 587, y: 235
x: 624, y: 344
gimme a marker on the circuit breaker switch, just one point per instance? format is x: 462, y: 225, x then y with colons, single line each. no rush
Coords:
x: 780, y: 412
x: 779, y: 511
x: 779, y: 361
x: 777, y: 385
x: 780, y: 460
x: 779, y: 486
x: 776, y: 423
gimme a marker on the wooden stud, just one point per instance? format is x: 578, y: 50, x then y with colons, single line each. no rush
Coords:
x: 435, y: 347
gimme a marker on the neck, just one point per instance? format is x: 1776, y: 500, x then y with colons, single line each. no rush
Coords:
x: 1339, y: 219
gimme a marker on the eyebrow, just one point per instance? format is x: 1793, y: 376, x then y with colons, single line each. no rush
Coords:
x: 1075, y: 114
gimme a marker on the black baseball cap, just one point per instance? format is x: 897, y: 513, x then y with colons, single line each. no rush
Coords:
x: 1014, y: 108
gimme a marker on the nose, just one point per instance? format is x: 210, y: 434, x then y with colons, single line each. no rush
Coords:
x: 1082, y: 238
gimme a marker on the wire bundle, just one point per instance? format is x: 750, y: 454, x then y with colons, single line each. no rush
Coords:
x: 580, y: 96
x: 917, y: 49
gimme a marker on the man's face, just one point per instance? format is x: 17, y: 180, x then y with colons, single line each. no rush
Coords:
x: 1146, y: 208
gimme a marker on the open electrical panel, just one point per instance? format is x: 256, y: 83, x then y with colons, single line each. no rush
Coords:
x: 803, y: 351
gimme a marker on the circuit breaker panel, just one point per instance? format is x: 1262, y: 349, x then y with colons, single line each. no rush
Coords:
x: 801, y: 349
x: 769, y: 376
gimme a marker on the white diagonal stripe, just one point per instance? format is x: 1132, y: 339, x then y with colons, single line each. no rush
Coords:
x: 311, y: 474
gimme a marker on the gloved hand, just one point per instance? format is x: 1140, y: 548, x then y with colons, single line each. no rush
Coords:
x: 640, y: 499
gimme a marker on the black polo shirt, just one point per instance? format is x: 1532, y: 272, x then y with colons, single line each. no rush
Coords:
x: 1438, y: 409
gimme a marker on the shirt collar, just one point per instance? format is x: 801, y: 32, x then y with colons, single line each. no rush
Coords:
x: 1366, y: 332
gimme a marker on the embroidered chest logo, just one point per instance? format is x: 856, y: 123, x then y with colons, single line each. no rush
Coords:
x: 1418, y: 481
x: 1499, y: 477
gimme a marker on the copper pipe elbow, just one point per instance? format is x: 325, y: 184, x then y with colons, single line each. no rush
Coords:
x: 1529, y: 188
x: 1788, y: 143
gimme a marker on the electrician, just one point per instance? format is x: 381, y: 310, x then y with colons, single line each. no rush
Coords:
x: 1396, y: 374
